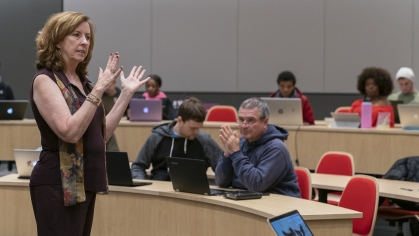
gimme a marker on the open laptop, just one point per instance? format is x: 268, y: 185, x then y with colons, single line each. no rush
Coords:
x: 145, y: 110
x: 290, y: 223
x: 189, y: 175
x: 13, y: 109
x: 409, y: 116
x: 26, y: 160
x: 396, y: 110
x: 346, y: 120
x: 119, y: 172
x: 284, y: 111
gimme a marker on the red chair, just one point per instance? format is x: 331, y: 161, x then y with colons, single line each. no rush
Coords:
x: 394, y: 214
x: 343, y: 110
x: 222, y: 113
x: 335, y: 163
x: 361, y: 194
x: 304, y: 182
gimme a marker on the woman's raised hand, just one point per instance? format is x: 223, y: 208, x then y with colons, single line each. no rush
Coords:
x: 134, y: 81
x: 108, y: 76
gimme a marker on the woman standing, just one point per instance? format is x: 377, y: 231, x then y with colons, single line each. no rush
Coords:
x: 71, y: 119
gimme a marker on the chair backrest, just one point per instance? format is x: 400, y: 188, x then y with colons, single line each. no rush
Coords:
x: 336, y: 163
x: 343, y: 110
x: 222, y: 113
x: 361, y: 194
x: 304, y: 182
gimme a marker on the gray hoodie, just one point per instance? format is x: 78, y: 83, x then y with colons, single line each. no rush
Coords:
x: 163, y: 143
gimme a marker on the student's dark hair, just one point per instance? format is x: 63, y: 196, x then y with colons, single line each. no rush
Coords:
x: 192, y: 109
x: 286, y: 76
x: 156, y: 78
x: 381, y: 77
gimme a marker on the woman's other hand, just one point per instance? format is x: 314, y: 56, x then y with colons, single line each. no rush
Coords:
x: 134, y: 81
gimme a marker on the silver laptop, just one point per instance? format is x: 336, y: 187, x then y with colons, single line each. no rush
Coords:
x: 13, y: 109
x: 346, y: 120
x: 25, y: 160
x: 290, y: 223
x: 284, y: 111
x: 145, y: 110
x: 409, y: 116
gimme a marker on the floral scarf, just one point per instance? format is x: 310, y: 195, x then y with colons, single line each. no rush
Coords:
x: 71, y: 154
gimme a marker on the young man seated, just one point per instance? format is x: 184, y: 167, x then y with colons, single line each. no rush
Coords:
x: 179, y: 138
x: 286, y: 89
x: 408, y: 94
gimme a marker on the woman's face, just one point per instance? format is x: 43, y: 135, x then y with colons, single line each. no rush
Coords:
x: 152, y: 88
x: 75, y: 46
x: 371, y: 88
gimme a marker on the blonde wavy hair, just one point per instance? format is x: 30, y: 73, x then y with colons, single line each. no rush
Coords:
x: 57, y: 27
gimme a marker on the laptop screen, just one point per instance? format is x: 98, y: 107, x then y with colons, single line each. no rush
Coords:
x: 290, y: 223
x: 284, y: 111
x: 13, y: 109
x: 146, y: 110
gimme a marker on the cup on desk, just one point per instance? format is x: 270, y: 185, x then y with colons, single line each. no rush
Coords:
x: 330, y: 122
x: 383, y: 120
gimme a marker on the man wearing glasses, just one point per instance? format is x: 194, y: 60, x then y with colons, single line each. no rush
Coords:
x: 258, y: 160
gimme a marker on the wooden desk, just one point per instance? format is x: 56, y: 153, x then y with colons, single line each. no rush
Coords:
x: 158, y: 210
x: 374, y: 150
x: 387, y: 188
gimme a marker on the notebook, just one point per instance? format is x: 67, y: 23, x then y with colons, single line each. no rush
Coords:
x: 409, y: 116
x: 396, y: 110
x: 284, y: 111
x: 189, y: 175
x: 119, y: 172
x: 290, y: 223
x: 25, y: 160
x: 145, y: 110
x: 13, y: 109
x: 346, y: 120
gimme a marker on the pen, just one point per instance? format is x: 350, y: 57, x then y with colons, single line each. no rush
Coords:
x: 407, y: 189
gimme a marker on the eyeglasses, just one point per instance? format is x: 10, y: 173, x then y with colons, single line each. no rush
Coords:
x: 248, y: 122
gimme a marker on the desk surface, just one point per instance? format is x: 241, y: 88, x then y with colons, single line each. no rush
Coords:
x: 158, y: 210
x: 387, y: 188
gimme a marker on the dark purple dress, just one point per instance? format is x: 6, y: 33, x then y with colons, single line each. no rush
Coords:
x: 52, y: 217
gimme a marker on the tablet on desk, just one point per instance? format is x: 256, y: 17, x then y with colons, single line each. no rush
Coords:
x: 290, y: 223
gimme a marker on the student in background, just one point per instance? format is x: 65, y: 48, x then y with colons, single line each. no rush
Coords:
x: 109, y: 98
x: 408, y: 94
x: 286, y: 89
x: 153, y: 92
x: 6, y: 92
x: 179, y: 138
x: 258, y: 160
x: 375, y: 84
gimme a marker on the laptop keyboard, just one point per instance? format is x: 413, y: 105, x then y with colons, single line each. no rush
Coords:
x: 136, y: 183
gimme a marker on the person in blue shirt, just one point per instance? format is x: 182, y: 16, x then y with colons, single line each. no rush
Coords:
x: 258, y: 160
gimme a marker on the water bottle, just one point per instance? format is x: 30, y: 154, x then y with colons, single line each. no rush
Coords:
x: 366, y: 115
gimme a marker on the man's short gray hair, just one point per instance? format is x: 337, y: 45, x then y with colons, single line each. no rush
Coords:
x: 257, y: 103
